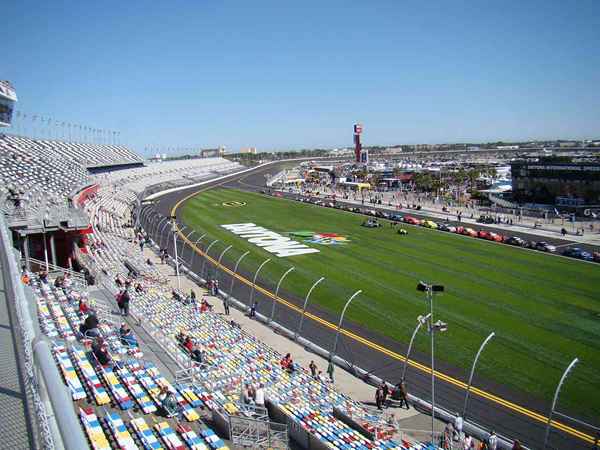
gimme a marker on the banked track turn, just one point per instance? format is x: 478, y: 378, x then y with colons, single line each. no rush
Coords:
x: 176, y: 200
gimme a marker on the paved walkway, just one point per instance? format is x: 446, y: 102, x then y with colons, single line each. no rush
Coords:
x: 14, y: 423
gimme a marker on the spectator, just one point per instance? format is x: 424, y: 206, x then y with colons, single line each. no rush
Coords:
x: 25, y: 279
x: 123, y: 302
x: 192, y: 296
x: 253, y: 308
x: 89, y: 327
x: 517, y: 445
x: 226, y: 305
x: 138, y: 288
x: 188, y: 344
x: 127, y: 337
x: 196, y: 354
x: 247, y: 395
x: 168, y: 403
x: 386, y: 392
x: 58, y: 282
x: 259, y: 397
x: 492, y: 441
x: 100, y: 352
x: 83, y: 307
x: 379, y: 397
x: 287, y: 363
x: 458, y: 427
x: 205, y: 306
x: 313, y: 369
x: 467, y: 442
x: 43, y: 275
x: 66, y: 283
x: 399, y: 393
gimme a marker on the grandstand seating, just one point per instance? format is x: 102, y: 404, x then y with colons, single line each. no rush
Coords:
x: 85, y: 155
x: 178, y: 172
x: 118, y: 404
x: 38, y: 176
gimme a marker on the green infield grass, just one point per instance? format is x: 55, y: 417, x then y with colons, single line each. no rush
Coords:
x: 544, y: 309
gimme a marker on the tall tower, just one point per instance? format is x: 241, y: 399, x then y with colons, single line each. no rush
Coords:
x: 357, y: 146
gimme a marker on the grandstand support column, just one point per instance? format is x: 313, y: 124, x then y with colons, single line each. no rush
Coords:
x: 221, y: 255
x: 277, y: 292
x: 195, y: 250
x: 206, y: 257
x: 53, y: 250
x: 339, y: 327
x: 420, y: 322
x: 264, y: 263
x: 45, y: 243
x: 304, y: 307
x: 26, y: 251
x: 554, y: 400
x: 487, y: 339
x: 237, y: 263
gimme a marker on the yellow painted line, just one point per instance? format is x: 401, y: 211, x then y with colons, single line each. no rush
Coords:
x: 442, y: 376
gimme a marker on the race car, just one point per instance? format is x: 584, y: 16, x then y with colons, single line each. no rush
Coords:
x: 482, y: 234
x: 515, y: 240
x: 429, y: 224
x: 578, y: 253
x: 469, y: 232
x: 446, y: 227
x: 411, y: 220
x: 371, y: 223
x: 543, y: 246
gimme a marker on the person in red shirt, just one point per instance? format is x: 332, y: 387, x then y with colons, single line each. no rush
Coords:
x: 83, y: 307
x: 188, y: 344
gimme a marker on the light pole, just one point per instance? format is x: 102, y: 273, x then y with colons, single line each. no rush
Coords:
x: 237, y: 263
x: 194, y: 250
x: 277, y: 292
x: 554, y: 400
x: 420, y: 322
x: 254, y: 280
x: 222, y: 253
x: 304, y: 306
x: 175, y: 250
x: 206, y: 256
x: 434, y: 327
x: 339, y: 327
x: 487, y: 339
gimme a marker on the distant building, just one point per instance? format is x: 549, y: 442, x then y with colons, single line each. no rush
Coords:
x: 507, y: 147
x: 572, y: 184
x: 212, y: 152
x: 250, y: 150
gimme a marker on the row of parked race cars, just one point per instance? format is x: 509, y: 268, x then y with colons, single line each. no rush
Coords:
x: 543, y: 246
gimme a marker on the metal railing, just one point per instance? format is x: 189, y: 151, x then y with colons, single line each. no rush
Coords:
x: 41, y: 377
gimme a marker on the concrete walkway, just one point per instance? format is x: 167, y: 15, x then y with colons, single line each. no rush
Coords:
x: 15, y: 427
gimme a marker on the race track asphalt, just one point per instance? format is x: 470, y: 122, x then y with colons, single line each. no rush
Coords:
x: 513, y: 422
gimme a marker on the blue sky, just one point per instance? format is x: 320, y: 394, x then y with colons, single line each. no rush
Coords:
x: 285, y: 75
